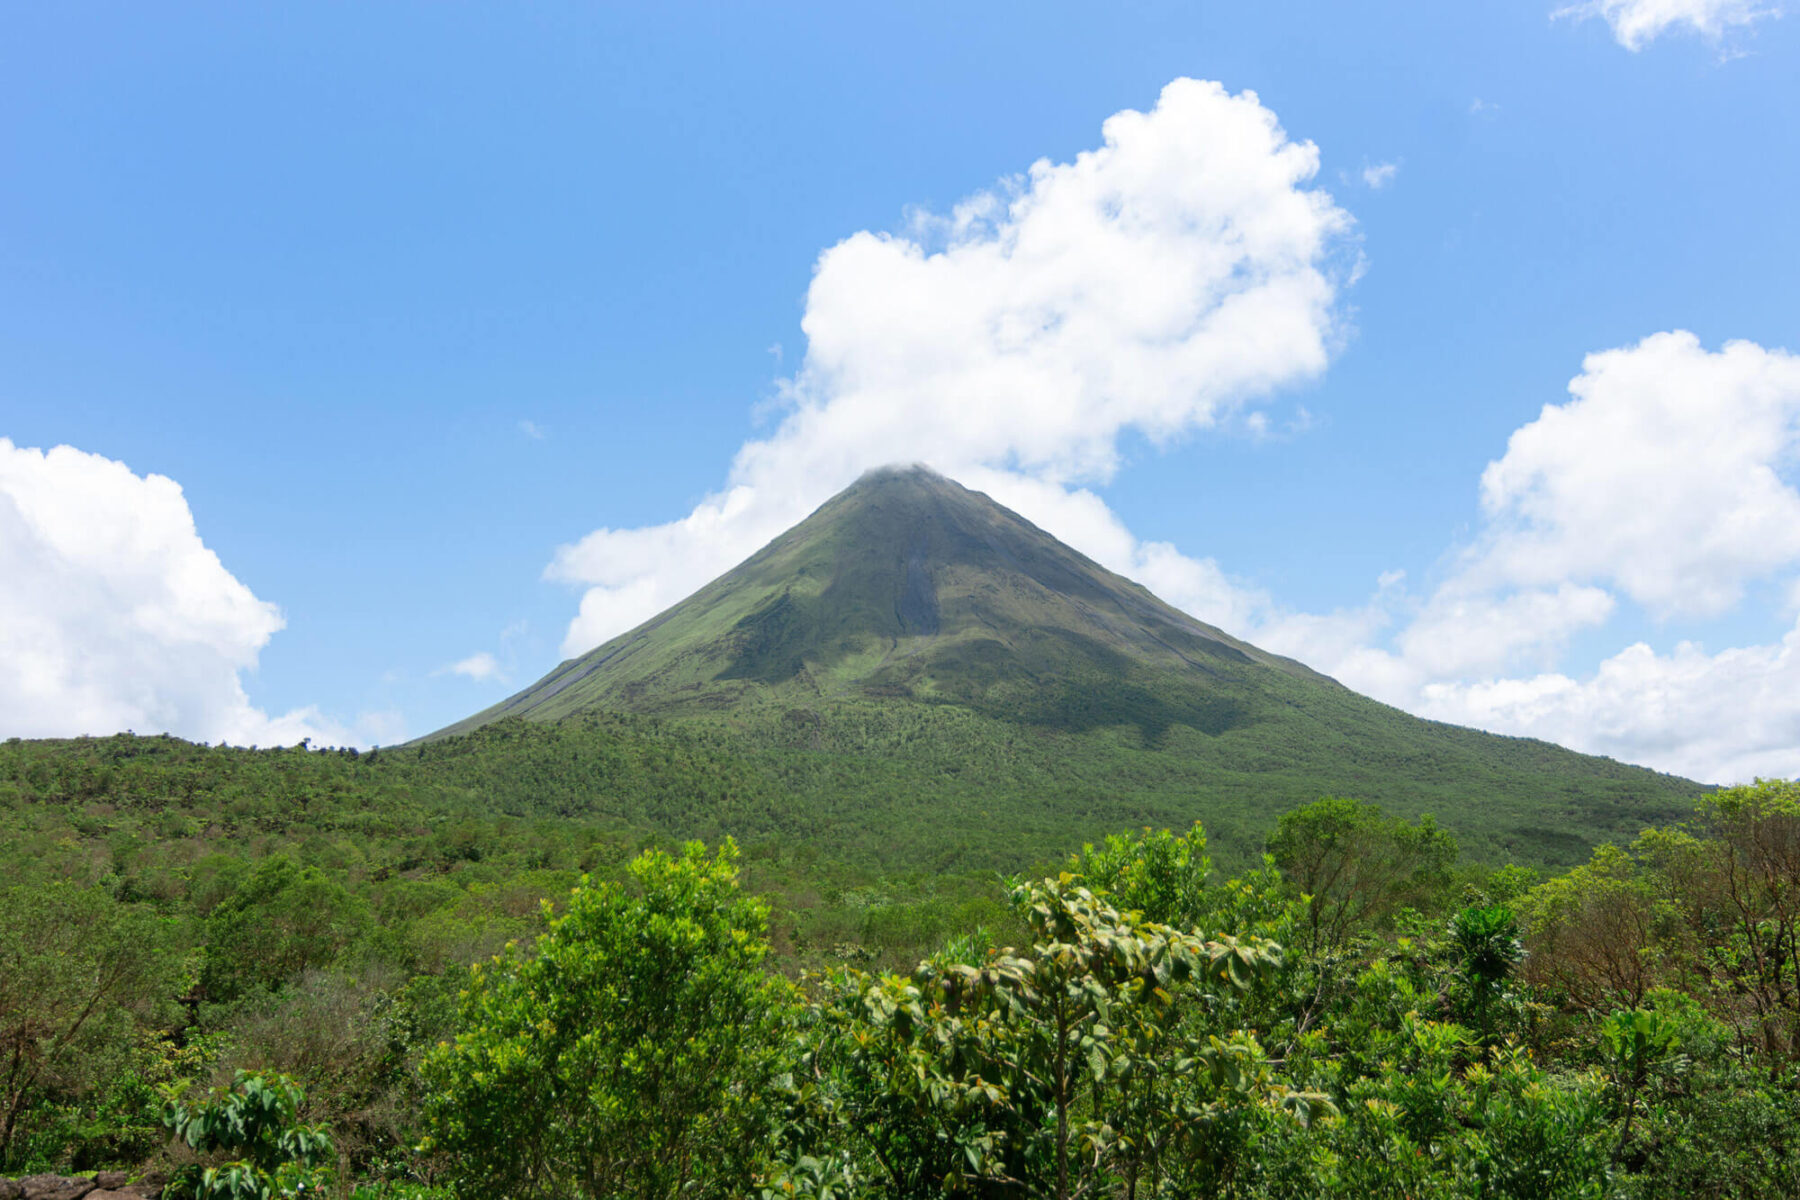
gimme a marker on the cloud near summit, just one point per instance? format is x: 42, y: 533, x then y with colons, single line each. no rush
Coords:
x: 1160, y: 282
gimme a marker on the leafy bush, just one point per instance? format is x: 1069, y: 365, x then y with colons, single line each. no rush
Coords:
x: 255, y: 1126
x: 1064, y: 1069
x: 627, y: 1054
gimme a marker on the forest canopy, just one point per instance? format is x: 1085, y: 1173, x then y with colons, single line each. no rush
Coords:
x: 418, y: 995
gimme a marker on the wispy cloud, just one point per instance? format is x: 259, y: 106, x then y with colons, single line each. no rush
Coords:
x: 1637, y: 23
x: 1379, y: 175
x: 385, y: 727
x: 480, y: 667
x: 532, y: 430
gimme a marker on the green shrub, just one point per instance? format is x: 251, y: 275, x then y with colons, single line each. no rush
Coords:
x: 254, y: 1125
x: 629, y: 1053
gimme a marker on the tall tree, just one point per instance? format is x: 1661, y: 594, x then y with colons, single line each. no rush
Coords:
x: 1359, y: 865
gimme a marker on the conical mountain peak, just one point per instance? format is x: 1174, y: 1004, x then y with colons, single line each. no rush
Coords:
x: 907, y: 585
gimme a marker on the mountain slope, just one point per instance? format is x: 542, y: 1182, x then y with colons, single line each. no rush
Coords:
x: 914, y: 639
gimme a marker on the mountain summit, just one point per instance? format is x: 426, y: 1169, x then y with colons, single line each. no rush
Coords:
x: 913, y: 642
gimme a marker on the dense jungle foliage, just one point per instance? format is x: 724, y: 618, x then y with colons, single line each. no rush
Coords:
x: 436, y: 975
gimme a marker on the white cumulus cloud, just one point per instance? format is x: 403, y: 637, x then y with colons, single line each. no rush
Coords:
x: 1663, y: 476
x: 1665, y: 481
x: 1461, y: 634
x: 1637, y: 23
x: 1157, y: 283
x: 114, y: 615
x: 1723, y: 718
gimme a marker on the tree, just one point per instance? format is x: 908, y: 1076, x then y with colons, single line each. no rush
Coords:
x: 1744, y: 883
x: 628, y: 1054
x: 75, y: 968
x: 1713, y: 908
x: 281, y: 922
x: 1163, y: 875
x: 1592, y: 932
x: 1358, y: 865
x: 1168, y: 878
x: 1488, y: 949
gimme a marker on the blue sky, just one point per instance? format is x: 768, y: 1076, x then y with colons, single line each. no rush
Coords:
x: 407, y: 298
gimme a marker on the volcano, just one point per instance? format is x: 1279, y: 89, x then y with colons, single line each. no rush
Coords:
x: 912, y: 620
x: 907, y: 585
